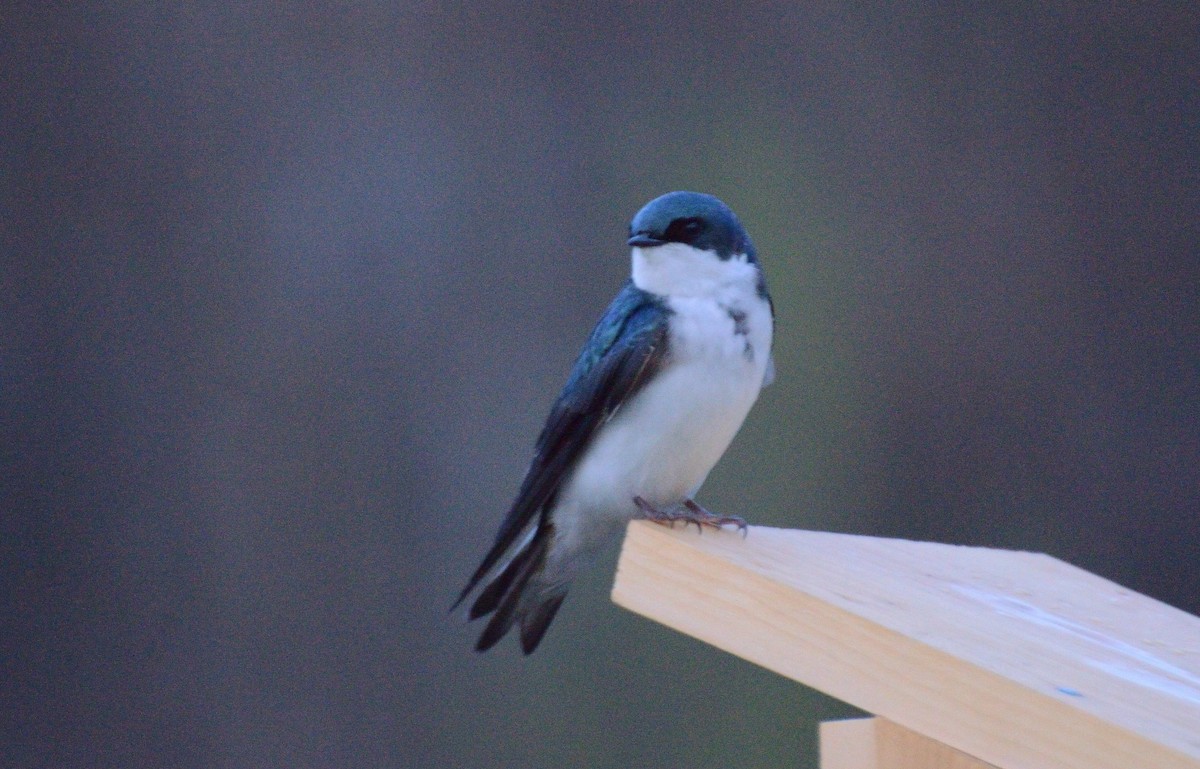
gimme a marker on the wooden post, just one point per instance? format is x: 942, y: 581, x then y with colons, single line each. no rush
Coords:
x: 877, y: 743
x: 1011, y: 659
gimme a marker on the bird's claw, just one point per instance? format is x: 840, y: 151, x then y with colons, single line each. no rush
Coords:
x: 689, y: 512
x: 716, y: 521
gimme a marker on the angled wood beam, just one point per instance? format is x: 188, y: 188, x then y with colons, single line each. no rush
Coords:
x: 1016, y: 659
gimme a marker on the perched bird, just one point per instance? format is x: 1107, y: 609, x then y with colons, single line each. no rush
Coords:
x: 654, y: 399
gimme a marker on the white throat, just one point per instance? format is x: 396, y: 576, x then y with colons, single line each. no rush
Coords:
x: 677, y: 269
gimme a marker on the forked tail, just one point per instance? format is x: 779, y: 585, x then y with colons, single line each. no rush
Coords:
x: 517, y: 595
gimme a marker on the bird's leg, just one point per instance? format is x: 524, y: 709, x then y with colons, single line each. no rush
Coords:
x: 688, y: 512
x: 664, y: 517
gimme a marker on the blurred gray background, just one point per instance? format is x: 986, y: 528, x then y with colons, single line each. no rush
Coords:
x: 287, y: 291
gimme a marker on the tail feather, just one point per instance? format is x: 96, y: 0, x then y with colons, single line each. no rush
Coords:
x: 534, y: 623
x: 516, y: 596
x: 501, y: 622
x: 491, y: 596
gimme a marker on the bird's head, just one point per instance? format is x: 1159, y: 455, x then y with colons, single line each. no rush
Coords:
x: 683, y: 242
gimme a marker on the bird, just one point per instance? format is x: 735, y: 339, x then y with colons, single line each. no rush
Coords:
x: 660, y: 389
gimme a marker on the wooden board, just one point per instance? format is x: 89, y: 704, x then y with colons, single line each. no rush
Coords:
x: 1018, y: 659
x: 877, y: 743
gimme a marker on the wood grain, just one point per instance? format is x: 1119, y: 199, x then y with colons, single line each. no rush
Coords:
x: 876, y: 743
x: 1018, y: 659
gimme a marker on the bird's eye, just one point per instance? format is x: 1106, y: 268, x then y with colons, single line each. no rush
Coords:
x: 685, y: 230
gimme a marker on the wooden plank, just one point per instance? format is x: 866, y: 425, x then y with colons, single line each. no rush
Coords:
x: 1016, y: 658
x: 849, y: 744
x: 877, y: 743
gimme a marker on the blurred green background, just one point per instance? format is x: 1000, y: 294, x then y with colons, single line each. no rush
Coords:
x: 288, y: 290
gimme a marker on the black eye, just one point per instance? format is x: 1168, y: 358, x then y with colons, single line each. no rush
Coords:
x: 685, y: 230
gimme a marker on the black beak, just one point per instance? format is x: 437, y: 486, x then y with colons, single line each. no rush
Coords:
x: 644, y: 240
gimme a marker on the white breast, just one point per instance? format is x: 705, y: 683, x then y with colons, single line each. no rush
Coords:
x: 663, y: 442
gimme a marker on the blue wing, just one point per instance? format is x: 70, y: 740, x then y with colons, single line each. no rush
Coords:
x: 626, y: 348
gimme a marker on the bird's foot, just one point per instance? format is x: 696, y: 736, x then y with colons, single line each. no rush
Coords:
x: 688, y: 512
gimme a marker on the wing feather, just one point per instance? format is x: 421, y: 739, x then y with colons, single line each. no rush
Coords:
x: 625, y: 349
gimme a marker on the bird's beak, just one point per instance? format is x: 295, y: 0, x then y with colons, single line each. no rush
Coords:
x: 643, y: 240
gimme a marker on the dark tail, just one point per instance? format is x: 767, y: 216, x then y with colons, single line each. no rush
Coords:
x: 516, y: 595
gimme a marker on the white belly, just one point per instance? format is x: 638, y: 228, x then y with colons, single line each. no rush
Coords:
x: 663, y: 442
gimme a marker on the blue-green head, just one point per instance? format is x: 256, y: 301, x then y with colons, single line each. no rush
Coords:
x: 694, y: 219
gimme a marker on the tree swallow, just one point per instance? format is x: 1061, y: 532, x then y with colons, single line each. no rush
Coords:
x: 654, y: 399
